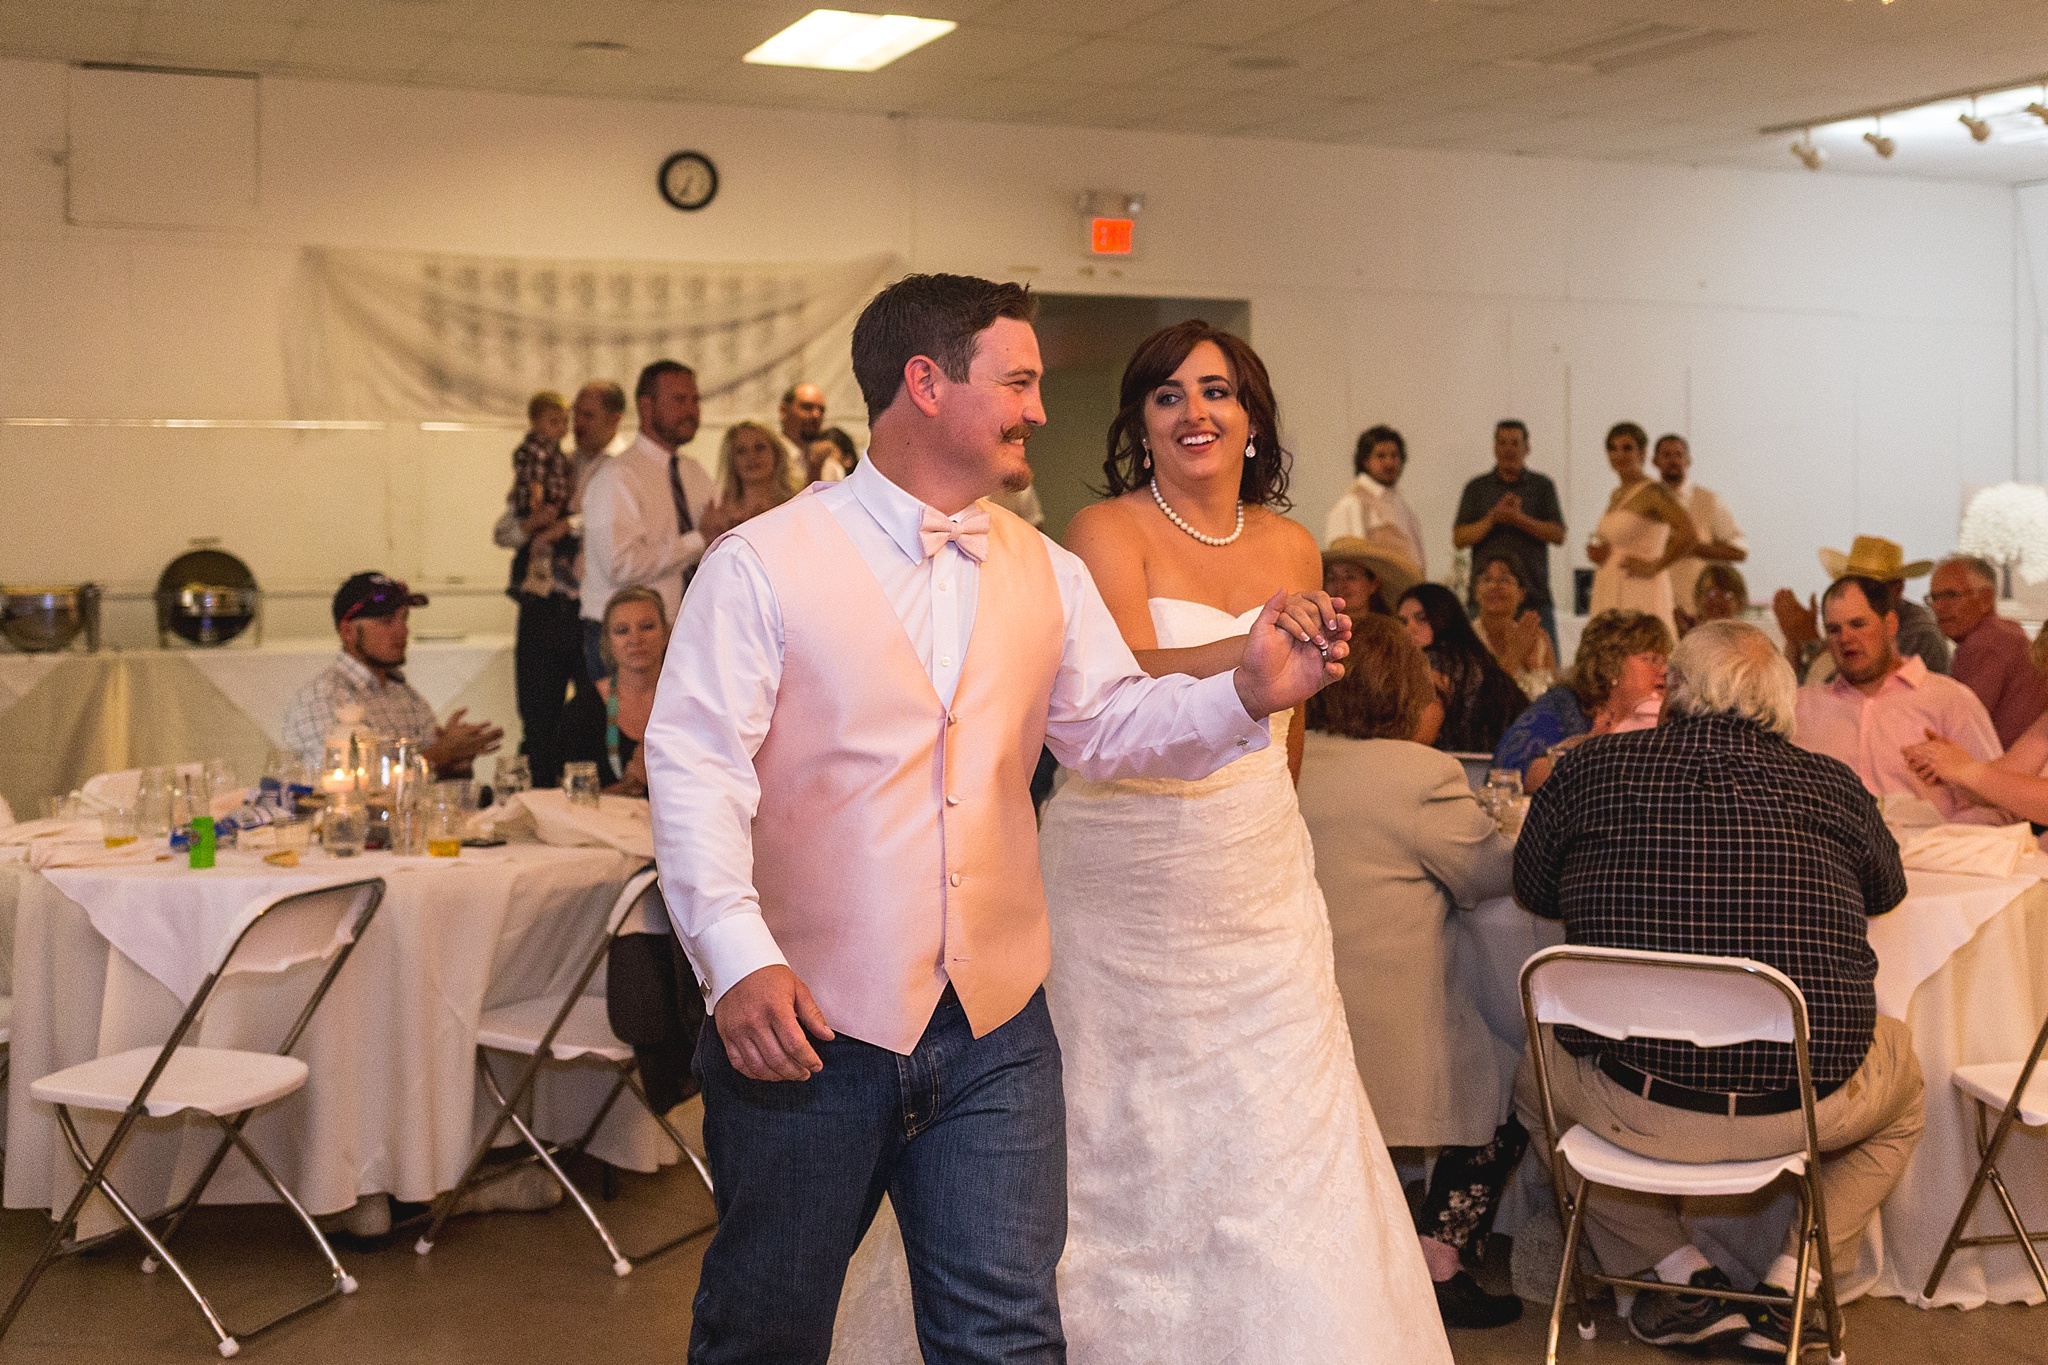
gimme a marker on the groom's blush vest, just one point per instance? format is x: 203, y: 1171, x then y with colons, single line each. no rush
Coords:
x: 895, y: 847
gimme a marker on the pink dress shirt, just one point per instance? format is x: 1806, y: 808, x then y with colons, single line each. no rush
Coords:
x: 1993, y: 661
x: 1870, y: 734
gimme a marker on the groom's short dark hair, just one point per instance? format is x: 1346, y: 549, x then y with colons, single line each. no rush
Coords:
x: 928, y: 315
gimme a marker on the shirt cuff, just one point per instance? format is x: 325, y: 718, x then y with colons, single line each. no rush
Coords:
x: 732, y: 949
x: 1221, y: 720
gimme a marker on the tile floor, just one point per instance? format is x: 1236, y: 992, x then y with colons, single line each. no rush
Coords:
x: 509, y: 1287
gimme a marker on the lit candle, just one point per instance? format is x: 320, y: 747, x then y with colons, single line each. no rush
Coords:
x: 340, y: 780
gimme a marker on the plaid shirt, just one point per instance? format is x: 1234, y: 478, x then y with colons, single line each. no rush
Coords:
x: 392, y: 709
x: 542, y: 462
x: 1711, y: 835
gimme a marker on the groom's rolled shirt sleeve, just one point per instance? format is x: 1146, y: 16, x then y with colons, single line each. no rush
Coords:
x: 1108, y: 719
x: 711, y: 712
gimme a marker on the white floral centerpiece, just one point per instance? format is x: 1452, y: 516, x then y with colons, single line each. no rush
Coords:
x: 2007, y: 524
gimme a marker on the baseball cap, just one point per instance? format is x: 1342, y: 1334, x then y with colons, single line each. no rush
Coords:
x: 373, y: 595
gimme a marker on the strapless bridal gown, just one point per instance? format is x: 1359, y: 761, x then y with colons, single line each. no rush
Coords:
x: 1628, y: 532
x: 1230, y: 1198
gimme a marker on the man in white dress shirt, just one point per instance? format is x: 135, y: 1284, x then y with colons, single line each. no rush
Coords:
x: 641, y: 508
x: 848, y: 852
x: 1720, y: 538
x: 1370, y: 507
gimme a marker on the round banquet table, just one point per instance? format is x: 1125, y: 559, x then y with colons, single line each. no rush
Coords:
x: 105, y: 959
x: 1964, y: 961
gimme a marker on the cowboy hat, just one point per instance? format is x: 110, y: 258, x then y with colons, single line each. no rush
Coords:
x: 1395, y: 571
x: 1872, y: 557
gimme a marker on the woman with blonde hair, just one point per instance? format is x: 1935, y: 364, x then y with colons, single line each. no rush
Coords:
x: 632, y: 640
x: 753, y: 476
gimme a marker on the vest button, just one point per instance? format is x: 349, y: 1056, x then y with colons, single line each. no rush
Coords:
x: 952, y: 719
x: 952, y: 800
x: 954, y: 879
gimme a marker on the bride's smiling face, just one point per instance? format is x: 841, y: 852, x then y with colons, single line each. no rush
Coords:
x: 1195, y: 425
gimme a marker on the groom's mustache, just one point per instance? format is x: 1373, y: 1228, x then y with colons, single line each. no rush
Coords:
x: 1020, y: 433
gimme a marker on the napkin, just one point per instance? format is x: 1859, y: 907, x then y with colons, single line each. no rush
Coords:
x: 28, y: 831
x: 621, y: 822
x: 46, y: 853
x: 1903, y: 809
x: 1978, y: 850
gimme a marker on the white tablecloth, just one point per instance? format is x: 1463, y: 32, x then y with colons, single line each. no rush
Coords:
x: 1964, y: 961
x: 103, y: 957
x: 64, y: 717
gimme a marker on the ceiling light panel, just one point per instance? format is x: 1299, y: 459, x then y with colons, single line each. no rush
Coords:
x: 843, y: 40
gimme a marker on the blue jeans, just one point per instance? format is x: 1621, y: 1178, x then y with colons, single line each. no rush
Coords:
x: 966, y: 1135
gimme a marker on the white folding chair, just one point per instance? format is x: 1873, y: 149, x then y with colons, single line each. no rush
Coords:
x: 566, y: 1028
x: 222, y: 1084
x: 1709, y: 1002
x: 2021, y: 1098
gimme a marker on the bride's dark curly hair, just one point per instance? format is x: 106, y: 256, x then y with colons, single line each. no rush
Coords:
x: 1129, y: 465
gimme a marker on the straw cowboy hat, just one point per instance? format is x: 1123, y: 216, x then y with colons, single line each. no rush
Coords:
x: 1395, y: 571
x: 1872, y: 557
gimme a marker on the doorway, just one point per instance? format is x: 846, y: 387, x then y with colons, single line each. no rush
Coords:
x: 1085, y: 340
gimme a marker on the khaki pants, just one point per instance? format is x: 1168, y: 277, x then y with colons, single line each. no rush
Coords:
x: 1868, y: 1129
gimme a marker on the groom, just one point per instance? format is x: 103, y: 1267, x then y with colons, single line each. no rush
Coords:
x: 840, y: 758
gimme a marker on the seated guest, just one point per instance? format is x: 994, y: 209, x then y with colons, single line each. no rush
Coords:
x: 1868, y: 557
x: 1370, y: 509
x: 843, y: 455
x: 370, y: 616
x: 1400, y: 844
x: 1878, y: 703
x: 1619, y: 667
x: 753, y: 476
x: 1480, y: 700
x: 634, y: 642
x: 1512, y: 634
x: 1712, y: 834
x: 1366, y: 574
x: 1718, y: 594
x: 1991, y: 656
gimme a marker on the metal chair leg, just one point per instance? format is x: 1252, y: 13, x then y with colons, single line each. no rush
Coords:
x: 703, y: 1171
x: 621, y: 1265
x: 444, y: 1207
x: 1568, y: 1271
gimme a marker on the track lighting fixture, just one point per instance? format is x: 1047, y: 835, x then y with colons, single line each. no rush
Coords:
x: 1980, y: 129
x: 1994, y: 115
x: 1809, y: 155
x: 2039, y: 110
x: 1881, y: 144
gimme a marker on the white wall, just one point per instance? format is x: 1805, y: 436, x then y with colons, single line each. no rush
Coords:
x: 1841, y: 349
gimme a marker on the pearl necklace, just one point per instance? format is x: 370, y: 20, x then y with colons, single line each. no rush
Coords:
x: 1175, y: 518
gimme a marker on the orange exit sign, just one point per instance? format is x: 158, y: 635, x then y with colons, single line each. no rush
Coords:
x: 1110, y: 236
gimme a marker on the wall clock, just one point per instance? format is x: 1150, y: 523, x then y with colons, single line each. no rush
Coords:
x: 688, y: 180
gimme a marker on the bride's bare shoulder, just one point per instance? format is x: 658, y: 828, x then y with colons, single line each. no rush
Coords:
x: 1111, y: 518
x: 1290, y: 540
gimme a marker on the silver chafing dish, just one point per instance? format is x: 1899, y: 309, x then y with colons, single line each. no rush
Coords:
x: 41, y: 620
x: 207, y: 598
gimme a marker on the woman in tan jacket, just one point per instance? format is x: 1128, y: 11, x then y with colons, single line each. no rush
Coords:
x: 1400, y: 844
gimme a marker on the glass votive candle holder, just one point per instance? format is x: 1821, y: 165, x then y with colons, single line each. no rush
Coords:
x: 345, y: 827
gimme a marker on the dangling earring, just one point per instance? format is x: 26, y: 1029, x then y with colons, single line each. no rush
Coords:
x: 1250, y: 451
x: 1146, y: 446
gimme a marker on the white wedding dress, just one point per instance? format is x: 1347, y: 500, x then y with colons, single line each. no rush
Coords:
x: 1230, y: 1198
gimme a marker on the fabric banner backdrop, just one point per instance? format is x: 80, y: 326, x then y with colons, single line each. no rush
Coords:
x: 425, y: 336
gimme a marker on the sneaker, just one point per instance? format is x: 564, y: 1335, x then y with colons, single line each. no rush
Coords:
x: 1770, y: 1326
x: 1661, y: 1317
x: 1462, y: 1303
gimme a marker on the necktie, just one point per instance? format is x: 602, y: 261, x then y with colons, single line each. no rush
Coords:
x: 675, y: 490
x: 970, y: 533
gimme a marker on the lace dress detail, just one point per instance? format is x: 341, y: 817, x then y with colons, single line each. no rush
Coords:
x: 1230, y: 1197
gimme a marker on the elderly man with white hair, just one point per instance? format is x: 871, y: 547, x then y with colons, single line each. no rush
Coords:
x: 1713, y: 833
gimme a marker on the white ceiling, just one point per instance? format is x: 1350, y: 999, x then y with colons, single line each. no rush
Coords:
x: 1674, y: 81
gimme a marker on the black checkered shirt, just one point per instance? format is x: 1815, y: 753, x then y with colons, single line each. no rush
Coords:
x: 1712, y: 835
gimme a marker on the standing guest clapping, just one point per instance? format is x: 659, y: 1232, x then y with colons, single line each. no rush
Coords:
x: 753, y: 476
x: 1512, y: 510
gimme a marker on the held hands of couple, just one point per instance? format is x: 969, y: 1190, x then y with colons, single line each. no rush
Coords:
x: 762, y: 1020
x: 1294, y: 650
x: 1939, y: 760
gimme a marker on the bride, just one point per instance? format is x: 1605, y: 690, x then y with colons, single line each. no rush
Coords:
x: 1230, y: 1198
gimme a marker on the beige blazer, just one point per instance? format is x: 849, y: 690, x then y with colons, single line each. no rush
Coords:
x: 1399, y: 843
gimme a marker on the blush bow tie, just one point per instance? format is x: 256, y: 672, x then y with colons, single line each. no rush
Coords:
x: 970, y: 533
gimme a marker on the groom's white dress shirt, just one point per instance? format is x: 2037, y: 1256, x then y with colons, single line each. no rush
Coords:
x: 1106, y: 719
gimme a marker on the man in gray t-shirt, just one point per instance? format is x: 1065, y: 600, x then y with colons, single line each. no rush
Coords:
x: 1511, y: 513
